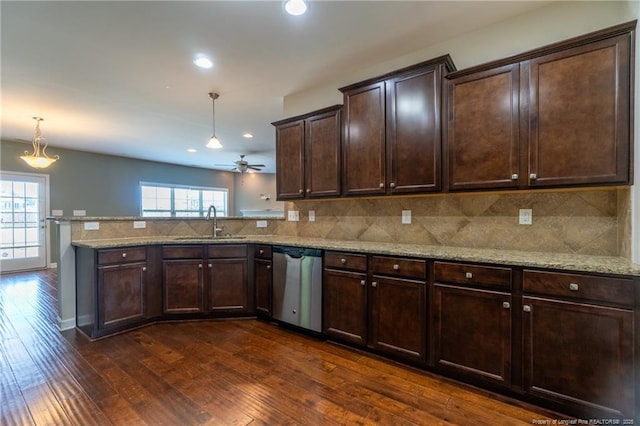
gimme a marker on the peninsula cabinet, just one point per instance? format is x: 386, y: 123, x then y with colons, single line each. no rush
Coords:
x: 227, y: 279
x: 578, y: 333
x: 183, y: 279
x: 308, y: 155
x: 382, y: 307
x: 263, y: 271
x: 471, y: 321
x: 392, y: 132
x: 554, y: 117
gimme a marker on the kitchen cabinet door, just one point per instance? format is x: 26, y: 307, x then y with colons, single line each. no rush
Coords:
x: 264, y: 286
x: 227, y: 285
x: 414, y: 131
x: 322, y: 154
x: 472, y: 332
x: 398, y: 317
x: 363, y: 146
x: 483, y: 142
x: 580, y: 356
x: 121, y: 294
x: 183, y: 286
x: 290, y: 160
x: 579, y: 114
x: 344, y: 313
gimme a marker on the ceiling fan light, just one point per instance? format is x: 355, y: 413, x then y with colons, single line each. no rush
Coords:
x: 214, y: 143
x: 295, y: 7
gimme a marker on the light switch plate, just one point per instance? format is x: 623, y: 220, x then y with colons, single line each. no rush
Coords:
x: 57, y: 213
x: 79, y: 212
x: 525, y: 217
x: 406, y: 217
x: 312, y: 215
x: 139, y: 224
x: 261, y: 223
x: 91, y: 226
x: 293, y: 215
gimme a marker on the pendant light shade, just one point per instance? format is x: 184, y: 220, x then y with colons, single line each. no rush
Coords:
x: 39, y: 158
x: 214, y: 142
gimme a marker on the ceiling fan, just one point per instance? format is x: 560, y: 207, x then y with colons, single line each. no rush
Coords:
x: 242, y: 165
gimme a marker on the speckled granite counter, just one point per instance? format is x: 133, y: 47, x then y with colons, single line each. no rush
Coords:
x: 559, y: 261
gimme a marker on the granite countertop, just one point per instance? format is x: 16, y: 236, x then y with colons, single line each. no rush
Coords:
x: 560, y: 261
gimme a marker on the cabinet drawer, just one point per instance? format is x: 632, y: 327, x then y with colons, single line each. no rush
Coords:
x: 262, y: 251
x: 473, y: 275
x: 231, y: 250
x: 599, y: 289
x: 182, y: 252
x: 354, y: 262
x: 410, y: 268
x: 121, y: 255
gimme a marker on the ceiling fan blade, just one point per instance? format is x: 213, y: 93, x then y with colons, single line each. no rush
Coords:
x: 253, y: 168
x: 256, y: 165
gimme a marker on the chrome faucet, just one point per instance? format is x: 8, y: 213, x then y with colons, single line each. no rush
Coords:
x: 215, y: 220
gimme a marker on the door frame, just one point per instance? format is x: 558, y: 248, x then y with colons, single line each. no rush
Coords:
x: 47, y: 208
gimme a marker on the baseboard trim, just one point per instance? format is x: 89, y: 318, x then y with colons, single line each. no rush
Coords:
x: 66, y: 324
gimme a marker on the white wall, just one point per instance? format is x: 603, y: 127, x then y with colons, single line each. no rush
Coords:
x: 249, y: 187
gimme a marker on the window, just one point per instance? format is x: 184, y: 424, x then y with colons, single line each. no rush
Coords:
x: 181, y: 201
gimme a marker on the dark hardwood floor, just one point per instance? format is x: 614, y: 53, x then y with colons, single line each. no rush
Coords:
x: 233, y: 372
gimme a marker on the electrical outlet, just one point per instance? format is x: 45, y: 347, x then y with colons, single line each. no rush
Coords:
x: 91, y: 226
x: 406, y: 217
x: 79, y: 212
x: 261, y: 223
x: 525, y: 217
x: 312, y: 215
x: 293, y: 215
x: 139, y: 224
x: 57, y: 213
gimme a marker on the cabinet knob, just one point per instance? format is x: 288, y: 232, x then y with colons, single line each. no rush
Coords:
x: 268, y: 266
x: 573, y: 287
x: 124, y: 255
x: 144, y: 269
x: 210, y: 266
x: 200, y: 265
x: 308, y: 190
x: 533, y: 176
x: 514, y: 176
x: 506, y: 305
x: 294, y: 311
x: 363, y: 282
x: 396, y: 266
x: 300, y: 191
x: 468, y: 275
x: 392, y: 184
x: 382, y: 185
x: 261, y: 251
x: 343, y: 260
x: 526, y: 308
x: 374, y: 284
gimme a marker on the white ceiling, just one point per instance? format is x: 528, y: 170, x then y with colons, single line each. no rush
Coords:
x: 117, y: 77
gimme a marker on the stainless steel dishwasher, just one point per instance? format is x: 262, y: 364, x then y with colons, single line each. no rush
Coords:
x: 297, y: 286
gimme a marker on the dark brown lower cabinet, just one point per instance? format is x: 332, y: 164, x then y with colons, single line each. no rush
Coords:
x: 121, y: 294
x: 580, y: 356
x: 472, y: 332
x: 344, y: 295
x: 264, y: 283
x: 227, y: 285
x: 183, y: 283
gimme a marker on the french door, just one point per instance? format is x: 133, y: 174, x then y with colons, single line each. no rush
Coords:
x: 23, y: 204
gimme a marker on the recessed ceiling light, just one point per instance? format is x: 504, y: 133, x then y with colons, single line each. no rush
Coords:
x: 203, y: 62
x: 295, y: 7
x: 247, y: 135
x: 192, y: 150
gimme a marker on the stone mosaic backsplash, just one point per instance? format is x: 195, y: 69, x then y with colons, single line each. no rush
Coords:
x: 591, y: 222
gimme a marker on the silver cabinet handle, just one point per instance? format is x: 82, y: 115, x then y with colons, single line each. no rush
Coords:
x: 468, y: 275
x: 396, y: 267
x: 514, y: 176
x: 124, y: 255
x: 506, y: 305
x: 382, y: 185
x: 200, y: 265
x: 308, y: 190
x: 363, y: 282
x: 300, y: 191
x: 210, y: 266
x: 343, y: 260
x: 144, y: 269
x: 374, y: 284
x: 526, y: 308
x: 533, y: 176
x: 268, y: 266
x: 573, y: 287
x: 392, y: 184
x: 261, y: 251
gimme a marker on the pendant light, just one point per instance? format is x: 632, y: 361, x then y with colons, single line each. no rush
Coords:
x: 39, y: 158
x: 214, y: 143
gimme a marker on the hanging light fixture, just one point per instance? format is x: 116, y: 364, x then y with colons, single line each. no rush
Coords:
x: 295, y: 7
x: 214, y: 143
x: 39, y: 159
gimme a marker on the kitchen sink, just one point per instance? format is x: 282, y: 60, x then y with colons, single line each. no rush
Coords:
x: 229, y: 237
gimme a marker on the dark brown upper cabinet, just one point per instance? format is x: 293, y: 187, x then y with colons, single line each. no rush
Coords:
x: 308, y: 155
x: 556, y: 116
x: 392, y: 132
